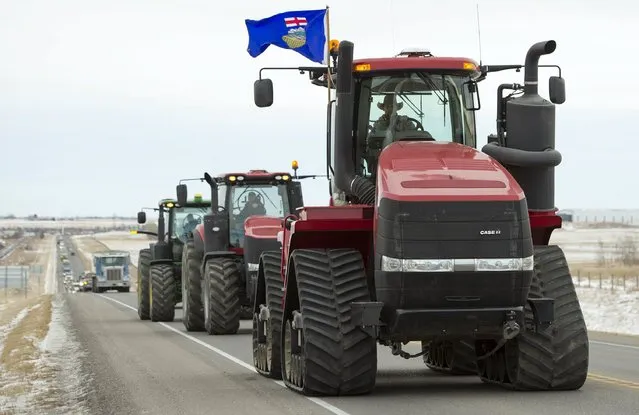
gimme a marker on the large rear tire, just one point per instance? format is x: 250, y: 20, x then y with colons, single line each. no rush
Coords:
x: 267, y: 334
x: 450, y: 357
x: 143, y: 288
x: 162, y: 298
x: 192, y: 308
x: 222, y: 303
x: 335, y: 357
x: 552, y: 359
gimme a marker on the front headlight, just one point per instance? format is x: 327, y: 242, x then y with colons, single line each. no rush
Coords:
x: 390, y: 264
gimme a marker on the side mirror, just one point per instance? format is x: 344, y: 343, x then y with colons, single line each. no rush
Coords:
x: 141, y: 217
x: 181, y: 194
x: 471, y: 96
x: 263, y: 93
x: 557, y: 89
x: 208, y: 179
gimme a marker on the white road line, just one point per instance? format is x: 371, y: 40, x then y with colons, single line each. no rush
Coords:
x: 332, y: 409
x: 626, y: 346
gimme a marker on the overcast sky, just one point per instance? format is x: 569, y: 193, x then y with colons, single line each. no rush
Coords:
x: 105, y: 104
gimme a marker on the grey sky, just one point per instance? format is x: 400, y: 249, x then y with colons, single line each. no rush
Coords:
x: 105, y: 104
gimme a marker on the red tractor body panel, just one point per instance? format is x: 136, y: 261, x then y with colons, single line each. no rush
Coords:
x: 262, y: 227
x: 441, y: 171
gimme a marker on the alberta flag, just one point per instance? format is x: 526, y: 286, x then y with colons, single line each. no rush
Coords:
x: 302, y: 31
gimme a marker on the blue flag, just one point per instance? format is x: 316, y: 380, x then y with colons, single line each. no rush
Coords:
x: 302, y: 31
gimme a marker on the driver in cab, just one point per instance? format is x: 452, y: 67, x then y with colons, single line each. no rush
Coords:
x: 190, y: 223
x: 402, y: 122
x: 253, y: 206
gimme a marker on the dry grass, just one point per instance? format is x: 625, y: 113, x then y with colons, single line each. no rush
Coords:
x: 21, y: 350
x: 24, y: 372
x: 613, y: 270
x: 36, y: 252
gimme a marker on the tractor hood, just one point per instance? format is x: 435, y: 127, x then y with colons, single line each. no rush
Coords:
x: 442, y: 171
x: 262, y: 227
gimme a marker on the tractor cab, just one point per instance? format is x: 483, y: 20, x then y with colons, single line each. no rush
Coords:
x: 175, y: 223
x: 256, y: 193
x: 415, y: 98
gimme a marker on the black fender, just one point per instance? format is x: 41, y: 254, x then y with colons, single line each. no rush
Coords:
x: 162, y: 251
x: 161, y: 261
x: 215, y: 254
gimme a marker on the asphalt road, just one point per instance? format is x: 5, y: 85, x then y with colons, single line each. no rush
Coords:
x: 143, y: 367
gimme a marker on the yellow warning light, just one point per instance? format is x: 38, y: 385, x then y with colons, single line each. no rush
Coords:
x: 333, y: 45
x: 470, y: 66
x: 295, y: 165
x: 133, y: 232
x: 197, y: 197
x: 362, y: 67
x: 286, y: 177
x: 232, y: 178
x: 170, y: 205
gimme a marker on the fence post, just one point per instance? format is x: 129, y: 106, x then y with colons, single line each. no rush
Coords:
x: 600, y: 280
x: 6, y: 283
x: 624, y: 282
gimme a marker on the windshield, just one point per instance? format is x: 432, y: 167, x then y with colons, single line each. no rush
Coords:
x: 256, y: 199
x: 415, y: 105
x: 185, y: 219
x: 114, y: 261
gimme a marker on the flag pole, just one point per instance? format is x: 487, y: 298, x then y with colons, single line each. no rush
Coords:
x: 328, y: 54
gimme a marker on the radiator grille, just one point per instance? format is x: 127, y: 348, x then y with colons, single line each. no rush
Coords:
x: 114, y: 274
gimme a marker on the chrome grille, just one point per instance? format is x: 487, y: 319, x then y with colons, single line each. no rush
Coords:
x: 114, y: 274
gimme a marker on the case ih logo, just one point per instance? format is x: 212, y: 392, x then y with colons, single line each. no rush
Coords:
x: 490, y: 232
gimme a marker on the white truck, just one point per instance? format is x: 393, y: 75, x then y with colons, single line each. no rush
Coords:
x: 111, y: 271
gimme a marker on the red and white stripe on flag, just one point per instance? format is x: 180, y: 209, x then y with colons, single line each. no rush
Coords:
x: 295, y: 21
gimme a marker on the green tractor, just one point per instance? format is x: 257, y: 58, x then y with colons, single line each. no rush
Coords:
x: 159, y: 266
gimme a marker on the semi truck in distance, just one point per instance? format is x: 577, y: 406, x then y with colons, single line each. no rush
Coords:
x: 111, y: 270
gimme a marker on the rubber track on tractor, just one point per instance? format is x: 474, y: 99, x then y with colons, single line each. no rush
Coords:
x: 451, y: 357
x: 144, y: 260
x: 555, y: 358
x: 339, y: 358
x: 162, y: 293
x: 192, y: 307
x: 223, y: 279
x: 272, y: 295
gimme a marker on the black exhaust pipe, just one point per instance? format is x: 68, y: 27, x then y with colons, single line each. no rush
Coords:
x: 529, y: 150
x: 346, y: 178
x: 531, y: 66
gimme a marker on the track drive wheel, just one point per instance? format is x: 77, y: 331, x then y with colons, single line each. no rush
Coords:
x: 555, y: 358
x: 267, y: 316
x: 192, y: 308
x: 450, y: 357
x: 144, y: 260
x: 162, y: 297
x: 221, y: 296
x: 323, y: 353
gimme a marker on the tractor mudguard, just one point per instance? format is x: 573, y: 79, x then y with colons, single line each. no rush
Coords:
x: 216, y: 254
x: 161, y: 261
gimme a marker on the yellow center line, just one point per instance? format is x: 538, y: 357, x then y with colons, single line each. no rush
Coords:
x: 613, y: 381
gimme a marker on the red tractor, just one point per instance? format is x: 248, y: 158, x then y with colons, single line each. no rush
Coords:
x: 219, y: 260
x: 427, y: 239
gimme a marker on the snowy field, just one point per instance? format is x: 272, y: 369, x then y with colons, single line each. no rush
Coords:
x: 582, y: 245
x: 59, y: 224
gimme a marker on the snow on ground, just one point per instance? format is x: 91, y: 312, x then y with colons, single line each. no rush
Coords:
x: 610, y: 311
x: 582, y: 245
x: 50, y: 276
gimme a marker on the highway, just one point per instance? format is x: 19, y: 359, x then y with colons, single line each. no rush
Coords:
x: 143, y: 367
